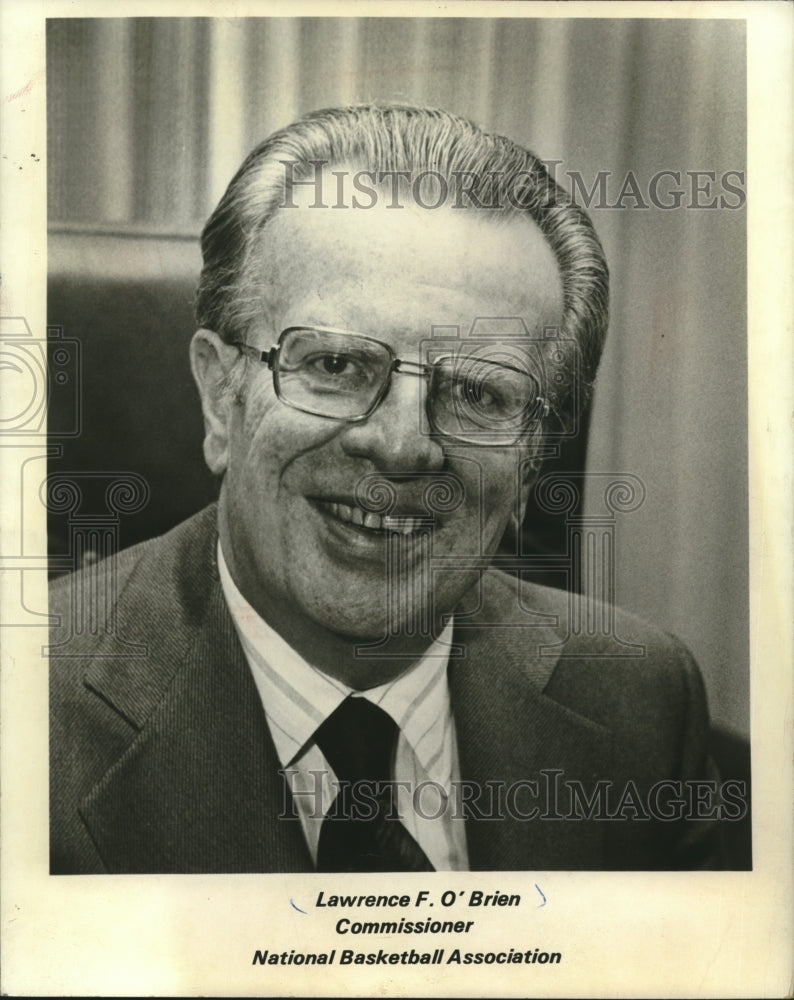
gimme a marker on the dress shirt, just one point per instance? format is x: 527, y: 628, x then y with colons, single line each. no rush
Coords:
x: 297, y: 698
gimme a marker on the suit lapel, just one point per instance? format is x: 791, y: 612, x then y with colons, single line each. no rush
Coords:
x: 510, y: 733
x: 198, y: 789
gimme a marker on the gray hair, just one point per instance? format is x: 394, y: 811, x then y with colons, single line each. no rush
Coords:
x: 393, y: 141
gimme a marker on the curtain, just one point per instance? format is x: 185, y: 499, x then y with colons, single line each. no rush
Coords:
x: 149, y: 118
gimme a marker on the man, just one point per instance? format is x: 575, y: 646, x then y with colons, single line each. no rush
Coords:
x: 332, y: 678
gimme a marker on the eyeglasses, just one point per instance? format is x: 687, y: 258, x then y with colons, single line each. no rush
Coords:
x: 345, y: 376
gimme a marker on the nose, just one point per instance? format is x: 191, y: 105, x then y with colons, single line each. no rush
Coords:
x: 395, y: 437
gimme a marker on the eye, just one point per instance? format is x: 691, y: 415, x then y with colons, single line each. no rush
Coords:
x: 332, y: 364
x: 476, y: 392
x: 336, y: 371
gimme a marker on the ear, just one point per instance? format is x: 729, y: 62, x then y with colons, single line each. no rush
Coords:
x: 210, y: 361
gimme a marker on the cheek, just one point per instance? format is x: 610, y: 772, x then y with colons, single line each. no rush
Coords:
x: 255, y: 449
x: 258, y: 409
x: 490, y: 482
x: 500, y: 497
x: 264, y: 427
x: 276, y: 447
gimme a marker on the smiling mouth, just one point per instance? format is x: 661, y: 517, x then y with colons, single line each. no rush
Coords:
x: 402, y: 524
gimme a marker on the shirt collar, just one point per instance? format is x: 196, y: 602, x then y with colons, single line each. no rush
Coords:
x: 298, y: 697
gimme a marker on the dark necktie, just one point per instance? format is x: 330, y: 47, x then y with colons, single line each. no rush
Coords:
x: 358, y: 834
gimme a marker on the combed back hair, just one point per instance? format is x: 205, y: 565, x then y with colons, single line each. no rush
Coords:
x: 501, y: 180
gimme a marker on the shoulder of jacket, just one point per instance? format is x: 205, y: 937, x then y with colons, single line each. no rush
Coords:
x: 618, y: 645
x: 141, y: 573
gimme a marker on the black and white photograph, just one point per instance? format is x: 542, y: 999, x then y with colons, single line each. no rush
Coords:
x: 341, y: 594
x: 390, y: 552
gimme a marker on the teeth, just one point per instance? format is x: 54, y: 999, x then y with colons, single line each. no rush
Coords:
x: 403, y: 524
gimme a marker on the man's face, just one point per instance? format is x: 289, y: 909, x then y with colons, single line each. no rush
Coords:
x: 288, y: 503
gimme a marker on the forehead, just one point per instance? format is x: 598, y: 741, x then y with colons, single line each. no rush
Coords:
x: 409, y: 266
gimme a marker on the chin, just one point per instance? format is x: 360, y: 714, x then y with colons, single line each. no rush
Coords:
x: 374, y: 624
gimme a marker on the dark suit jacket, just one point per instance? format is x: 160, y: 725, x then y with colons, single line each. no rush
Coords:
x: 162, y: 761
